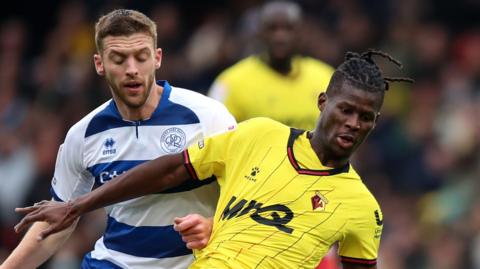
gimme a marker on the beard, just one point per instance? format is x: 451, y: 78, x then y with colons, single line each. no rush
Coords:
x: 135, y: 101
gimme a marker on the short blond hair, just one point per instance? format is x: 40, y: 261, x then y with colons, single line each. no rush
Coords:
x: 124, y: 22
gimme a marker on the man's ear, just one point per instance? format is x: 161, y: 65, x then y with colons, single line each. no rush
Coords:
x: 322, y: 101
x: 376, y: 120
x: 158, y: 58
x: 97, y: 60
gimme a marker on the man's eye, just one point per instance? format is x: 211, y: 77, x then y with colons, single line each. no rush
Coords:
x: 118, y: 60
x: 142, y: 57
x: 367, y: 118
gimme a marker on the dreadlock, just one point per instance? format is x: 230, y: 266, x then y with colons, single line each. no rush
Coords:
x: 361, y: 70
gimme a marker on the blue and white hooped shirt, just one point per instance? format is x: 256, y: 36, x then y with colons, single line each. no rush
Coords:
x: 102, y: 146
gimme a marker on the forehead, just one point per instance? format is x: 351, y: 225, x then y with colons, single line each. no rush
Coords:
x: 128, y: 43
x: 354, y: 96
x: 280, y: 18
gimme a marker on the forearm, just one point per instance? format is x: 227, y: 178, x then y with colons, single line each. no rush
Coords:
x: 31, y: 253
x: 150, y: 177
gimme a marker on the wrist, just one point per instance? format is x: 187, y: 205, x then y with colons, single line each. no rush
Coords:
x: 76, y: 207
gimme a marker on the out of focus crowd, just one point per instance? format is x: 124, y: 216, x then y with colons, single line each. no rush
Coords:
x: 422, y: 161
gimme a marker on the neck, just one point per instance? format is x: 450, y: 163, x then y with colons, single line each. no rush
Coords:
x: 144, y: 111
x: 282, y: 66
x: 325, y: 155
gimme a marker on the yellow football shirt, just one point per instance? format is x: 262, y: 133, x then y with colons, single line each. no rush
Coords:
x: 251, y: 89
x: 279, y: 207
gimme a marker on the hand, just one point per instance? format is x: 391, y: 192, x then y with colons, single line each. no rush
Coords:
x: 195, y: 230
x: 58, y: 215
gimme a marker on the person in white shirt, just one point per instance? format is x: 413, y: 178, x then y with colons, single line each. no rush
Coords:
x: 145, y: 119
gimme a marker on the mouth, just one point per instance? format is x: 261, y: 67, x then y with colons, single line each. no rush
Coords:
x: 133, y: 87
x: 345, y: 141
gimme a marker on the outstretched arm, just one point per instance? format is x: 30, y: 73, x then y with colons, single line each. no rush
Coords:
x: 150, y: 177
x: 31, y: 253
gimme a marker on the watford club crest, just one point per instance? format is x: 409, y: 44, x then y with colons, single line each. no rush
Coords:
x: 319, y: 202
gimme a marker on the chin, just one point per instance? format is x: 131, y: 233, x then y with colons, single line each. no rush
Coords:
x: 343, y: 153
x: 134, y: 102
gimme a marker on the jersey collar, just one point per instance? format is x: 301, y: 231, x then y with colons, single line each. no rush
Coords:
x: 294, y: 134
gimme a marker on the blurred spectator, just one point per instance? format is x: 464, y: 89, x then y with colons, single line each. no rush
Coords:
x: 278, y: 82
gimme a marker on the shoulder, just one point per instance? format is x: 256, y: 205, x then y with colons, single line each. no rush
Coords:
x: 195, y: 101
x: 79, y: 129
x: 365, y: 207
x: 212, y: 115
x: 316, y: 64
x: 356, y: 193
x: 240, y: 69
x: 261, y: 125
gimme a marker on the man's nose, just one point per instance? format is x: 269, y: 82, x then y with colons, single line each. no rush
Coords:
x: 353, y: 122
x: 132, y: 69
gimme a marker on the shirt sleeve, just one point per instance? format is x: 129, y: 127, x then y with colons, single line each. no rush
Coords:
x: 218, y: 91
x: 70, y: 178
x: 208, y: 156
x: 221, y: 121
x: 362, y: 238
x: 224, y: 90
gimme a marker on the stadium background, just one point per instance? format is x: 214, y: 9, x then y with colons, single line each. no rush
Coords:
x: 422, y: 161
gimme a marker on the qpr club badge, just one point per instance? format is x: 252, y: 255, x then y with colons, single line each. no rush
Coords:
x: 173, y: 140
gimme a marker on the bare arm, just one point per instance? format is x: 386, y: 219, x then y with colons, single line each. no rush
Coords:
x: 357, y: 266
x: 31, y: 252
x: 150, y: 177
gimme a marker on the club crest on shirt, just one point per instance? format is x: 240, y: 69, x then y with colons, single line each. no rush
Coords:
x: 173, y: 140
x: 319, y: 202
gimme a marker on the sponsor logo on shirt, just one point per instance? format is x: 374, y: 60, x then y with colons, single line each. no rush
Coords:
x: 173, y: 140
x: 276, y: 215
x: 105, y: 176
x: 109, y: 147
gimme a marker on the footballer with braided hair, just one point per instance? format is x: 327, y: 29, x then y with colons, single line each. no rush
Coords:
x: 287, y: 195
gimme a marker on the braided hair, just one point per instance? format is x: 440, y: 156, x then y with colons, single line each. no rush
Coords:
x: 362, y: 71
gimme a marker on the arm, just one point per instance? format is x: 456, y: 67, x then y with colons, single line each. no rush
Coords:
x: 357, y: 266
x: 150, y: 177
x: 31, y: 252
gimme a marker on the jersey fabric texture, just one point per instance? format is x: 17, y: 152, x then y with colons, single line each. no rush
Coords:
x: 102, y: 146
x: 251, y: 89
x: 279, y: 207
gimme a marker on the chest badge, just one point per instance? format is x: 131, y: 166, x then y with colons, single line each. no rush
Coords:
x: 319, y: 202
x: 173, y: 140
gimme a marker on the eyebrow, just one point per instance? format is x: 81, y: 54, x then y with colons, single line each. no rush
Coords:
x: 114, y: 52
x: 352, y: 104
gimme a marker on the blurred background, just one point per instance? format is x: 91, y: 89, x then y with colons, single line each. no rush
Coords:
x: 422, y: 162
